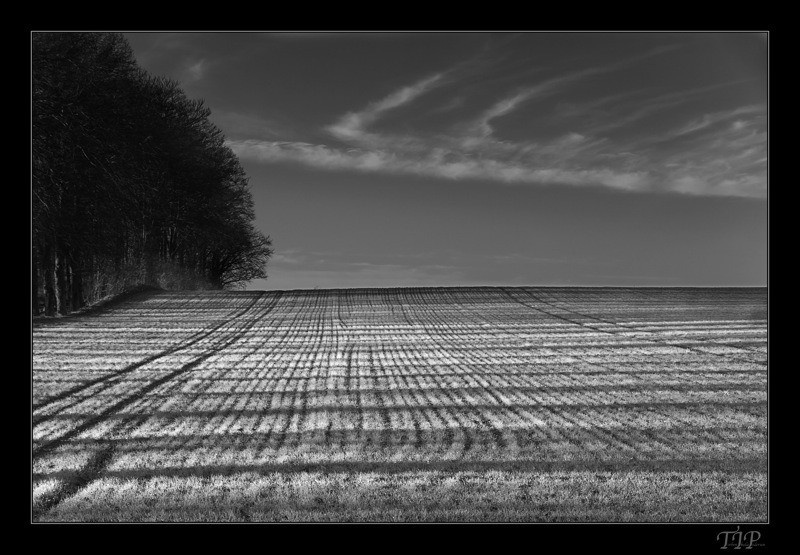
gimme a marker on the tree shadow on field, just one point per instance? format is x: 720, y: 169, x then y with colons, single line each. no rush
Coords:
x: 103, y: 306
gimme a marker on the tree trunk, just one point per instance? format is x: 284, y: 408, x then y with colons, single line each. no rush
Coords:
x: 50, y: 301
x: 62, y: 296
x: 150, y: 269
x: 77, y: 287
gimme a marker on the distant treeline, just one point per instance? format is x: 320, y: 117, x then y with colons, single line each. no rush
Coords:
x: 132, y: 184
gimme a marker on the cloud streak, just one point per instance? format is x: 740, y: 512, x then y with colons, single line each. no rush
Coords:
x: 195, y: 70
x: 352, y: 127
x: 719, y: 153
x: 439, y: 163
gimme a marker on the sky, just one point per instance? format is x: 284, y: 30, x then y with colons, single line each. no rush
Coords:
x: 453, y: 158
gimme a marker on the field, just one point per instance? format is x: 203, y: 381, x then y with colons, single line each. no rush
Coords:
x: 418, y: 404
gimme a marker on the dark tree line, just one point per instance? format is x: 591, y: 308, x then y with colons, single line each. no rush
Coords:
x: 131, y: 182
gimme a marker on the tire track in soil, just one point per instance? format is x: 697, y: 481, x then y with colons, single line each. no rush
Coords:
x: 452, y: 413
x: 286, y: 327
x: 331, y: 354
x: 254, y: 349
x: 629, y: 434
x: 353, y: 394
x: 405, y: 393
x: 576, y: 418
x: 192, y: 340
x: 339, y: 303
x: 625, y: 439
x: 292, y: 372
x: 479, y: 360
x: 319, y: 339
x: 116, y: 407
x: 519, y: 413
x: 97, y: 464
x: 463, y: 301
x: 413, y: 386
x: 387, y: 295
x: 321, y: 366
x: 660, y: 442
x: 102, y: 458
x: 385, y: 431
x: 560, y: 432
x: 669, y: 448
x: 402, y: 303
x: 339, y: 339
x: 91, y: 471
x: 709, y: 435
x: 58, y: 414
x: 751, y: 299
x: 618, y: 325
x: 446, y: 339
x: 410, y: 356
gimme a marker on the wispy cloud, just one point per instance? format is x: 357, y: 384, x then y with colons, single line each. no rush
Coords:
x: 481, y: 128
x: 711, y: 119
x: 351, y: 128
x: 723, y: 153
x: 726, y: 156
x: 438, y: 163
x: 628, y: 113
x: 452, y: 104
x: 196, y: 70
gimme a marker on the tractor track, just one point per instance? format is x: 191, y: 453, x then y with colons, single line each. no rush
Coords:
x: 616, y: 325
x: 97, y: 464
x: 192, y: 340
x: 386, y: 381
x: 139, y: 394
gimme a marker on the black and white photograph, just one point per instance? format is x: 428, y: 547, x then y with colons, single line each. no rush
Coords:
x: 439, y: 277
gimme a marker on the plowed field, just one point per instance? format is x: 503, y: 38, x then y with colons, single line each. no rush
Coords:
x: 418, y: 404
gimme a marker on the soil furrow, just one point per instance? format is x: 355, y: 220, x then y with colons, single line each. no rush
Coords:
x: 619, y: 325
x: 195, y: 338
x: 90, y: 472
x: 116, y: 407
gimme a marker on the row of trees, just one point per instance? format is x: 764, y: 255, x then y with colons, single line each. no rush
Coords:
x: 131, y: 182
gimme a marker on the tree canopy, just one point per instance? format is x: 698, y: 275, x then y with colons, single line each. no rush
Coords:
x: 131, y: 182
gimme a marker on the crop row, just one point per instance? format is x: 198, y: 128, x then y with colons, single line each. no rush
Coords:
x: 164, y: 386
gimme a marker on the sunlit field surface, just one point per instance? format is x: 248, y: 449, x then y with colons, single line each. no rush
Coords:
x: 426, y: 404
